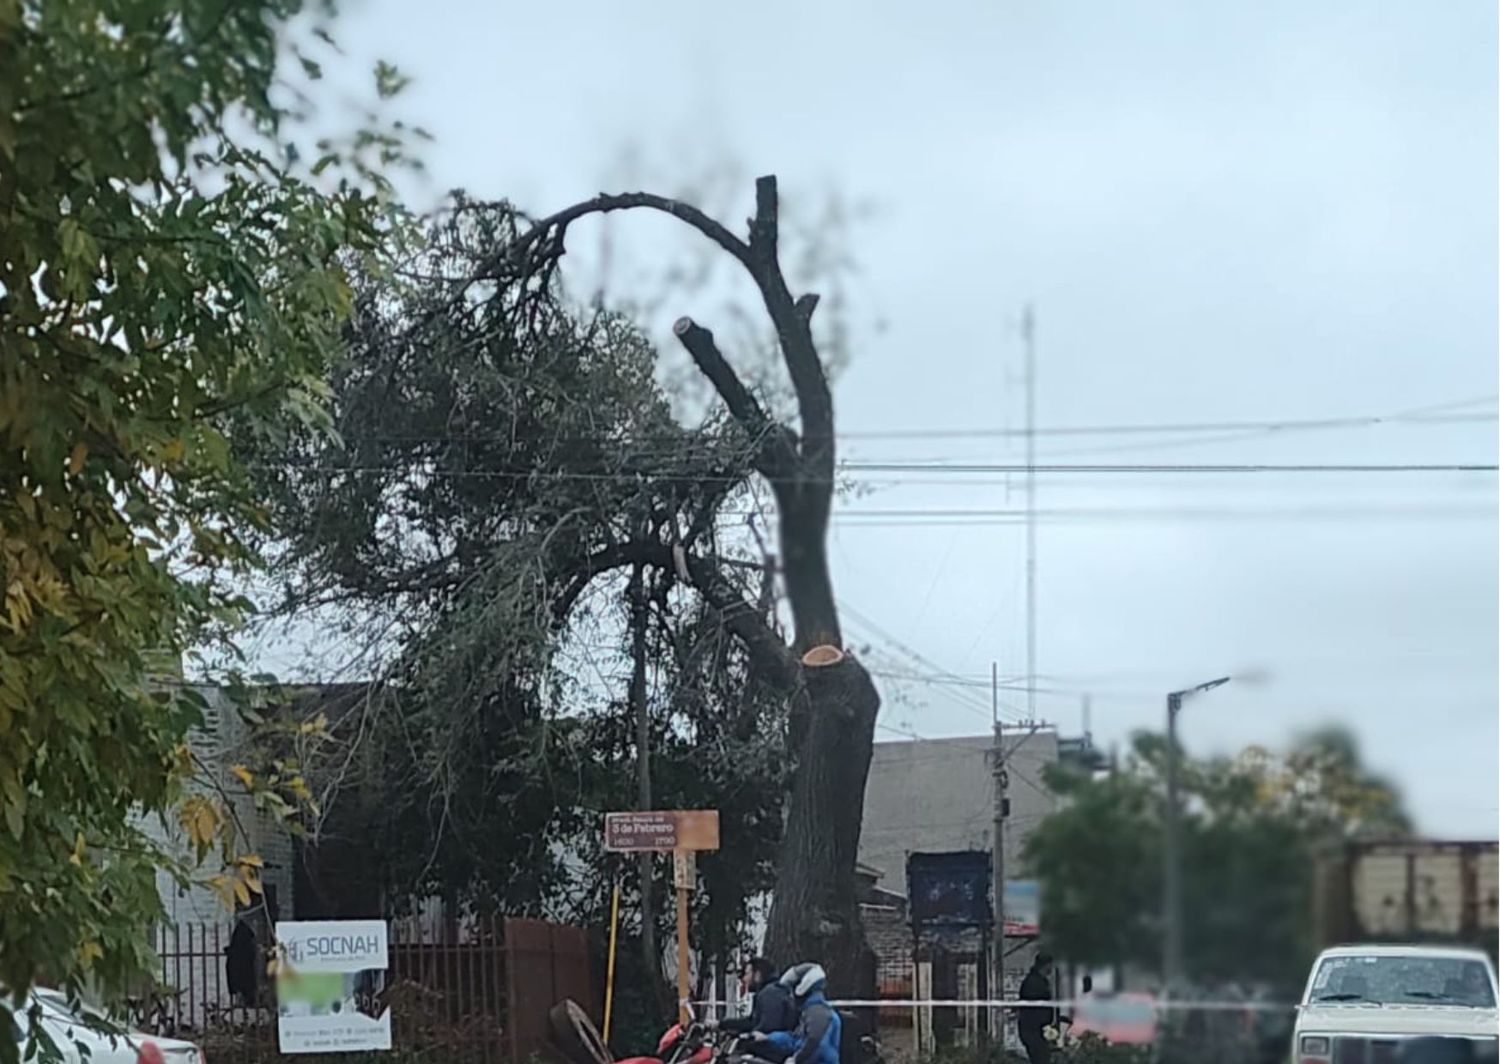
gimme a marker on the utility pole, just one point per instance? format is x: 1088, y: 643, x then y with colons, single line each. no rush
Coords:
x: 1171, y: 967
x: 1172, y: 872
x: 1028, y: 339
x: 997, y: 843
x: 639, y: 619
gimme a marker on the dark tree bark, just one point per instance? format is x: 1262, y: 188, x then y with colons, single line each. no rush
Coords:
x: 833, y: 701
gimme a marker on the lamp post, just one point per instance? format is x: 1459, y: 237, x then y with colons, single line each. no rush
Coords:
x: 1172, y: 877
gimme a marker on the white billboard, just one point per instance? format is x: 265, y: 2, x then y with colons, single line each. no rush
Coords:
x: 330, y: 986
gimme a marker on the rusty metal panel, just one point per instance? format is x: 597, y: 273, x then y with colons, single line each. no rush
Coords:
x: 529, y: 985
x: 1438, y: 895
x: 571, y: 971
x: 1379, y: 894
x: 1487, y: 891
x: 1424, y: 890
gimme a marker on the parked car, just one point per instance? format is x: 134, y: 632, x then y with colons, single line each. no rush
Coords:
x: 1398, y: 1003
x: 84, y: 1036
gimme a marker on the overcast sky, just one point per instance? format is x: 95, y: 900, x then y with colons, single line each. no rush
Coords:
x: 1223, y: 213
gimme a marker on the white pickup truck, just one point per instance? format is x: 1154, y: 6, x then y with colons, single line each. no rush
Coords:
x: 1398, y: 1005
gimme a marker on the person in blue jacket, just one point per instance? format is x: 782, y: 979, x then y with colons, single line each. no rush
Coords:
x: 816, y: 1038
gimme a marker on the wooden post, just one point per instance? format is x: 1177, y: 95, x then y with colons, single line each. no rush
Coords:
x: 682, y: 869
x: 609, y: 979
x: 683, y: 833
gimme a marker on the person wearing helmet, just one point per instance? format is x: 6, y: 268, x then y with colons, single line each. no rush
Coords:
x: 771, y: 1008
x: 819, y: 1028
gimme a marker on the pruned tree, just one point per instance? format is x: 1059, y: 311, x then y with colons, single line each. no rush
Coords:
x: 503, y: 462
x: 491, y: 440
x: 834, y: 702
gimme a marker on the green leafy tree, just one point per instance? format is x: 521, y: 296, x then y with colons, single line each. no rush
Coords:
x: 1097, y: 860
x: 1250, y: 829
x: 164, y: 273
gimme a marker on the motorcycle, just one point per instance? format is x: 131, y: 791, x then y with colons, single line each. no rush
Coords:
x: 691, y: 1043
x: 700, y: 1044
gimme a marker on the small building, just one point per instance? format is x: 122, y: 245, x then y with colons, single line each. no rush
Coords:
x: 938, y: 796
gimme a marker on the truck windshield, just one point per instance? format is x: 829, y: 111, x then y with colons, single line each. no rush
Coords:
x: 1386, y: 980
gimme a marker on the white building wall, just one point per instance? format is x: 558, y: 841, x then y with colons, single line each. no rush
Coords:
x: 220, y: 743
x: 197, y: 925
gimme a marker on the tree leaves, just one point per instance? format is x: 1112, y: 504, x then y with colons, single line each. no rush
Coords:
x: 164, y: 281
x: 485, y: 446
x: 1250, y: 827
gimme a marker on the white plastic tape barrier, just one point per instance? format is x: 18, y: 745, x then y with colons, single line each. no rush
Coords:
x: 1158, y: 1005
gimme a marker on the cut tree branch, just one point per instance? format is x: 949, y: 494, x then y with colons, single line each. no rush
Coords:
x: 740, y: 616
x: 776, y: 455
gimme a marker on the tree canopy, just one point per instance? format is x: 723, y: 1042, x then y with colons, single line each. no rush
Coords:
x: 492, y: 449
x: 1251, y: 826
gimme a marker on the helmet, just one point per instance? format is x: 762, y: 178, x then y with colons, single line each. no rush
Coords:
x: 805, y: 979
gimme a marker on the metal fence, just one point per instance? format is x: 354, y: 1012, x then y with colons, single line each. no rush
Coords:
x: 472, y: 991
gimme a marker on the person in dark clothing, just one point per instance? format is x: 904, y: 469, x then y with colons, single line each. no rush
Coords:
x: 240, y: 965
x: 771, y: 1008
x: 1032, y: 1022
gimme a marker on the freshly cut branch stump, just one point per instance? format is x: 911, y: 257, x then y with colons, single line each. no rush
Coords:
x: 821, y: 657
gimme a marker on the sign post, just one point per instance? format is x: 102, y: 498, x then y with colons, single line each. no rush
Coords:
x: 683, y: 991
x: 682, y: 833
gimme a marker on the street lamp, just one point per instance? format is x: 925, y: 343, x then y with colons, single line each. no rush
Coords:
x: 1172, y: 878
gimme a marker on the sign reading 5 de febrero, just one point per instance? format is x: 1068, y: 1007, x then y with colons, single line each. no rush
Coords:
x: 330, y: 986
x: 662, y: 831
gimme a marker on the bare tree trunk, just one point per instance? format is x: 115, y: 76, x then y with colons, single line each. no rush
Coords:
x: 815, y: 910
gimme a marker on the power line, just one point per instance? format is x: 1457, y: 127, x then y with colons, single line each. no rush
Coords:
x: 986, y: 467
x: 1430, y: 415
x: 939, y: 518
x: 953, y: 680
x: 1170, y: 512
x: 983, y: 710
x: 942, y: 679
x: 934, y: 468
x: 1168, y: 428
